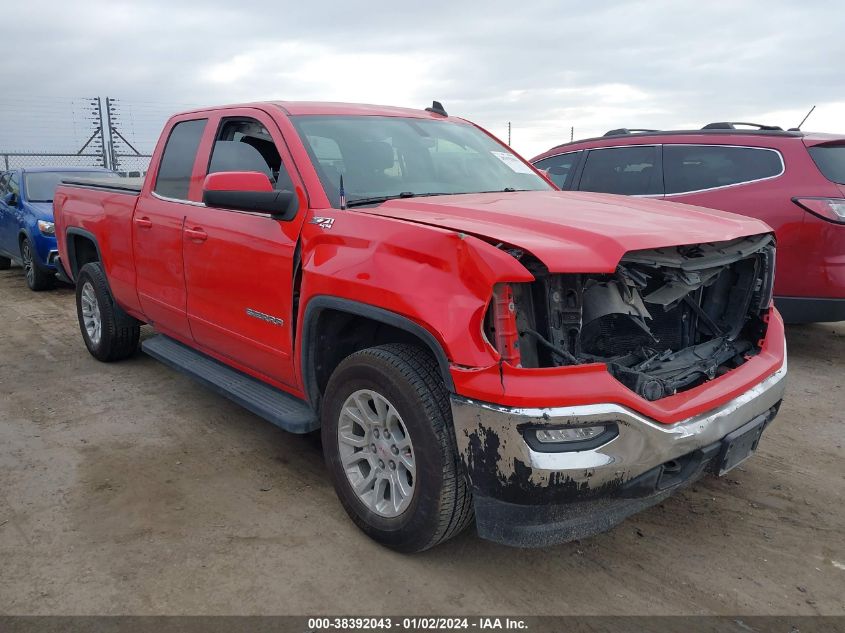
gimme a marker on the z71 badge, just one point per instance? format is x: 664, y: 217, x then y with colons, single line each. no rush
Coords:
x: 323, y: 223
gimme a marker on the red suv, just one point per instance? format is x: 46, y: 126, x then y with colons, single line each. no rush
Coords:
x: 792, y: 180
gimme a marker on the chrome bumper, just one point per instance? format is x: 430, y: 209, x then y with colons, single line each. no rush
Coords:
x: 500, y: 463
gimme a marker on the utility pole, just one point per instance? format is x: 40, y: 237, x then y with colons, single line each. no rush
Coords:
x: 114, y: 134
x: 572, y: 133
x: 102, y: 133
x: 99, y: 130
x: 112, y: 158
x: 509, y: 133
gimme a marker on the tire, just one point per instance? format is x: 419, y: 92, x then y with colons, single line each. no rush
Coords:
x: 36, y: 277
x: 5, y: 263
x: 438, y: 505
x: 115, y: 336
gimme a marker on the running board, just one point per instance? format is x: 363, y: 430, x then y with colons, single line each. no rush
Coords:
x: 276, y: 406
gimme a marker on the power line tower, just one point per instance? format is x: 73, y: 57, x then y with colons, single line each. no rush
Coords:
x: 116, y: 138
x: 96, y: 143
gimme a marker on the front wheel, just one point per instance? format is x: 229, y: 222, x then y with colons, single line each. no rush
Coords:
x: 390, y: 448
x: 36, y: 278
x: 109, y: 333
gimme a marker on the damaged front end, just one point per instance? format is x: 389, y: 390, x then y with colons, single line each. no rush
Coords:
x: 667, y: 320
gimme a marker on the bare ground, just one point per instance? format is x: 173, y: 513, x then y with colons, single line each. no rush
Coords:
x: 129, y: 489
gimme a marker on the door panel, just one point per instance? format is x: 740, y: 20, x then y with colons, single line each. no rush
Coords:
x: 238, y: 271
x: 239, y: 265
x: 157, y: 225
x: 157, y: 241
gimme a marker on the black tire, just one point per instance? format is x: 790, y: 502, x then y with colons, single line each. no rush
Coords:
x: 5, y: 263
x: 37, y: 278
x: 119, y: 333
x: 441, y: 503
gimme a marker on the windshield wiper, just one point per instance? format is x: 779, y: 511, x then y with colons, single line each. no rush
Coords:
x: 358, y: 202
x: 505, y: 190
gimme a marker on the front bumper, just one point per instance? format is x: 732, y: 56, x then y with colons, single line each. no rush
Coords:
x: 524, y: 497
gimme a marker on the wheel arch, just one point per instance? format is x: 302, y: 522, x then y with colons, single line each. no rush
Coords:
x: 374, y: 326
x: 23, y: 234
x: 82, y: 248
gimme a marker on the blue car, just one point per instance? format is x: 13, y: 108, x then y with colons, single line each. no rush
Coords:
x: 27, y: 234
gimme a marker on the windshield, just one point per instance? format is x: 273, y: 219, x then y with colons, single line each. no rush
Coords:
x: 384, y: 157
x: 830, y: 160
x: 40, y: 185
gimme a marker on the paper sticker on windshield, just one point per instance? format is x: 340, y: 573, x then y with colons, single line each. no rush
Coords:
x: 513, y: 162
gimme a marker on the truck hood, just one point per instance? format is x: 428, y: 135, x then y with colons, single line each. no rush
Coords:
x: 572, y: 231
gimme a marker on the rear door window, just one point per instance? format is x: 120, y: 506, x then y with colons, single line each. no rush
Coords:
x: 177, y: 162
x: 561, y: 168
x: 830, y: 159
x: 688, y: 168
x: 632, y: 170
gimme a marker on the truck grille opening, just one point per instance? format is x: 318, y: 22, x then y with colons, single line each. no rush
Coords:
x: 667, y: 320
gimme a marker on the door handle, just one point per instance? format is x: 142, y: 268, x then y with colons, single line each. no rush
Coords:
x: 144, y: 223
x: 196, y: 234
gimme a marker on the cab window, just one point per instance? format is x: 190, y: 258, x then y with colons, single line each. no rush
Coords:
x: 244, y: 144
x: 631, y: 171
x: 177, y: 161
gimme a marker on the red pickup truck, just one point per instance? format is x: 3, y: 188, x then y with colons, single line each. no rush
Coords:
x: 470, y: 341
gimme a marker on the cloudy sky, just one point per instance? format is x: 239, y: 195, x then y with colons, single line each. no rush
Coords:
x: 545, y: 66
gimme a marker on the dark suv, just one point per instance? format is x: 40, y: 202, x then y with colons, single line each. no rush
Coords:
x: 794, y: 181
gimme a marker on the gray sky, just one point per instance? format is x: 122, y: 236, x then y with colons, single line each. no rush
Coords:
x: 544, y: 66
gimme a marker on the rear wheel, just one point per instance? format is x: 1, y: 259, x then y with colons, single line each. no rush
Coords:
x: 390, y: 448
x: 36, y: 277
x: 109, y: 333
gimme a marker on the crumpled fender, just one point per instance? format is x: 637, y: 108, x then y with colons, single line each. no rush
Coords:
x: 438, y: 278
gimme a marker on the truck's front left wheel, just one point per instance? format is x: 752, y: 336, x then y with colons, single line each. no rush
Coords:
x: 390, y: 447
x: 109, y: 333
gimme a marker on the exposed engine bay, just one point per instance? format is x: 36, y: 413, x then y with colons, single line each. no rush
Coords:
x: 667, y: 320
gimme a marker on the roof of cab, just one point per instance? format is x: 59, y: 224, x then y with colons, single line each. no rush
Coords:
x: 296, y: 108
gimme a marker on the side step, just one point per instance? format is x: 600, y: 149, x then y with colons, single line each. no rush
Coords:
x: 276, y: 406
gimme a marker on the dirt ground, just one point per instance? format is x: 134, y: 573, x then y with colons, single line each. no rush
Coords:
x: 129, y: 489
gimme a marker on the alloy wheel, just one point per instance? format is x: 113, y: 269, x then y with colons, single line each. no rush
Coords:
x: 376, y: 453
x: 91, y: 317
x: 28, y: 264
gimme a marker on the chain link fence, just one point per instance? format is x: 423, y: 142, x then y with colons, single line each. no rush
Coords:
x: 132, y: 164
x: 17, y: 160
x: 129, y: 165
x: 78, y: 132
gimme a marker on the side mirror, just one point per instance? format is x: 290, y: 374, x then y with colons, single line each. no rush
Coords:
x: 248, y: 191
x: 11, y: 199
